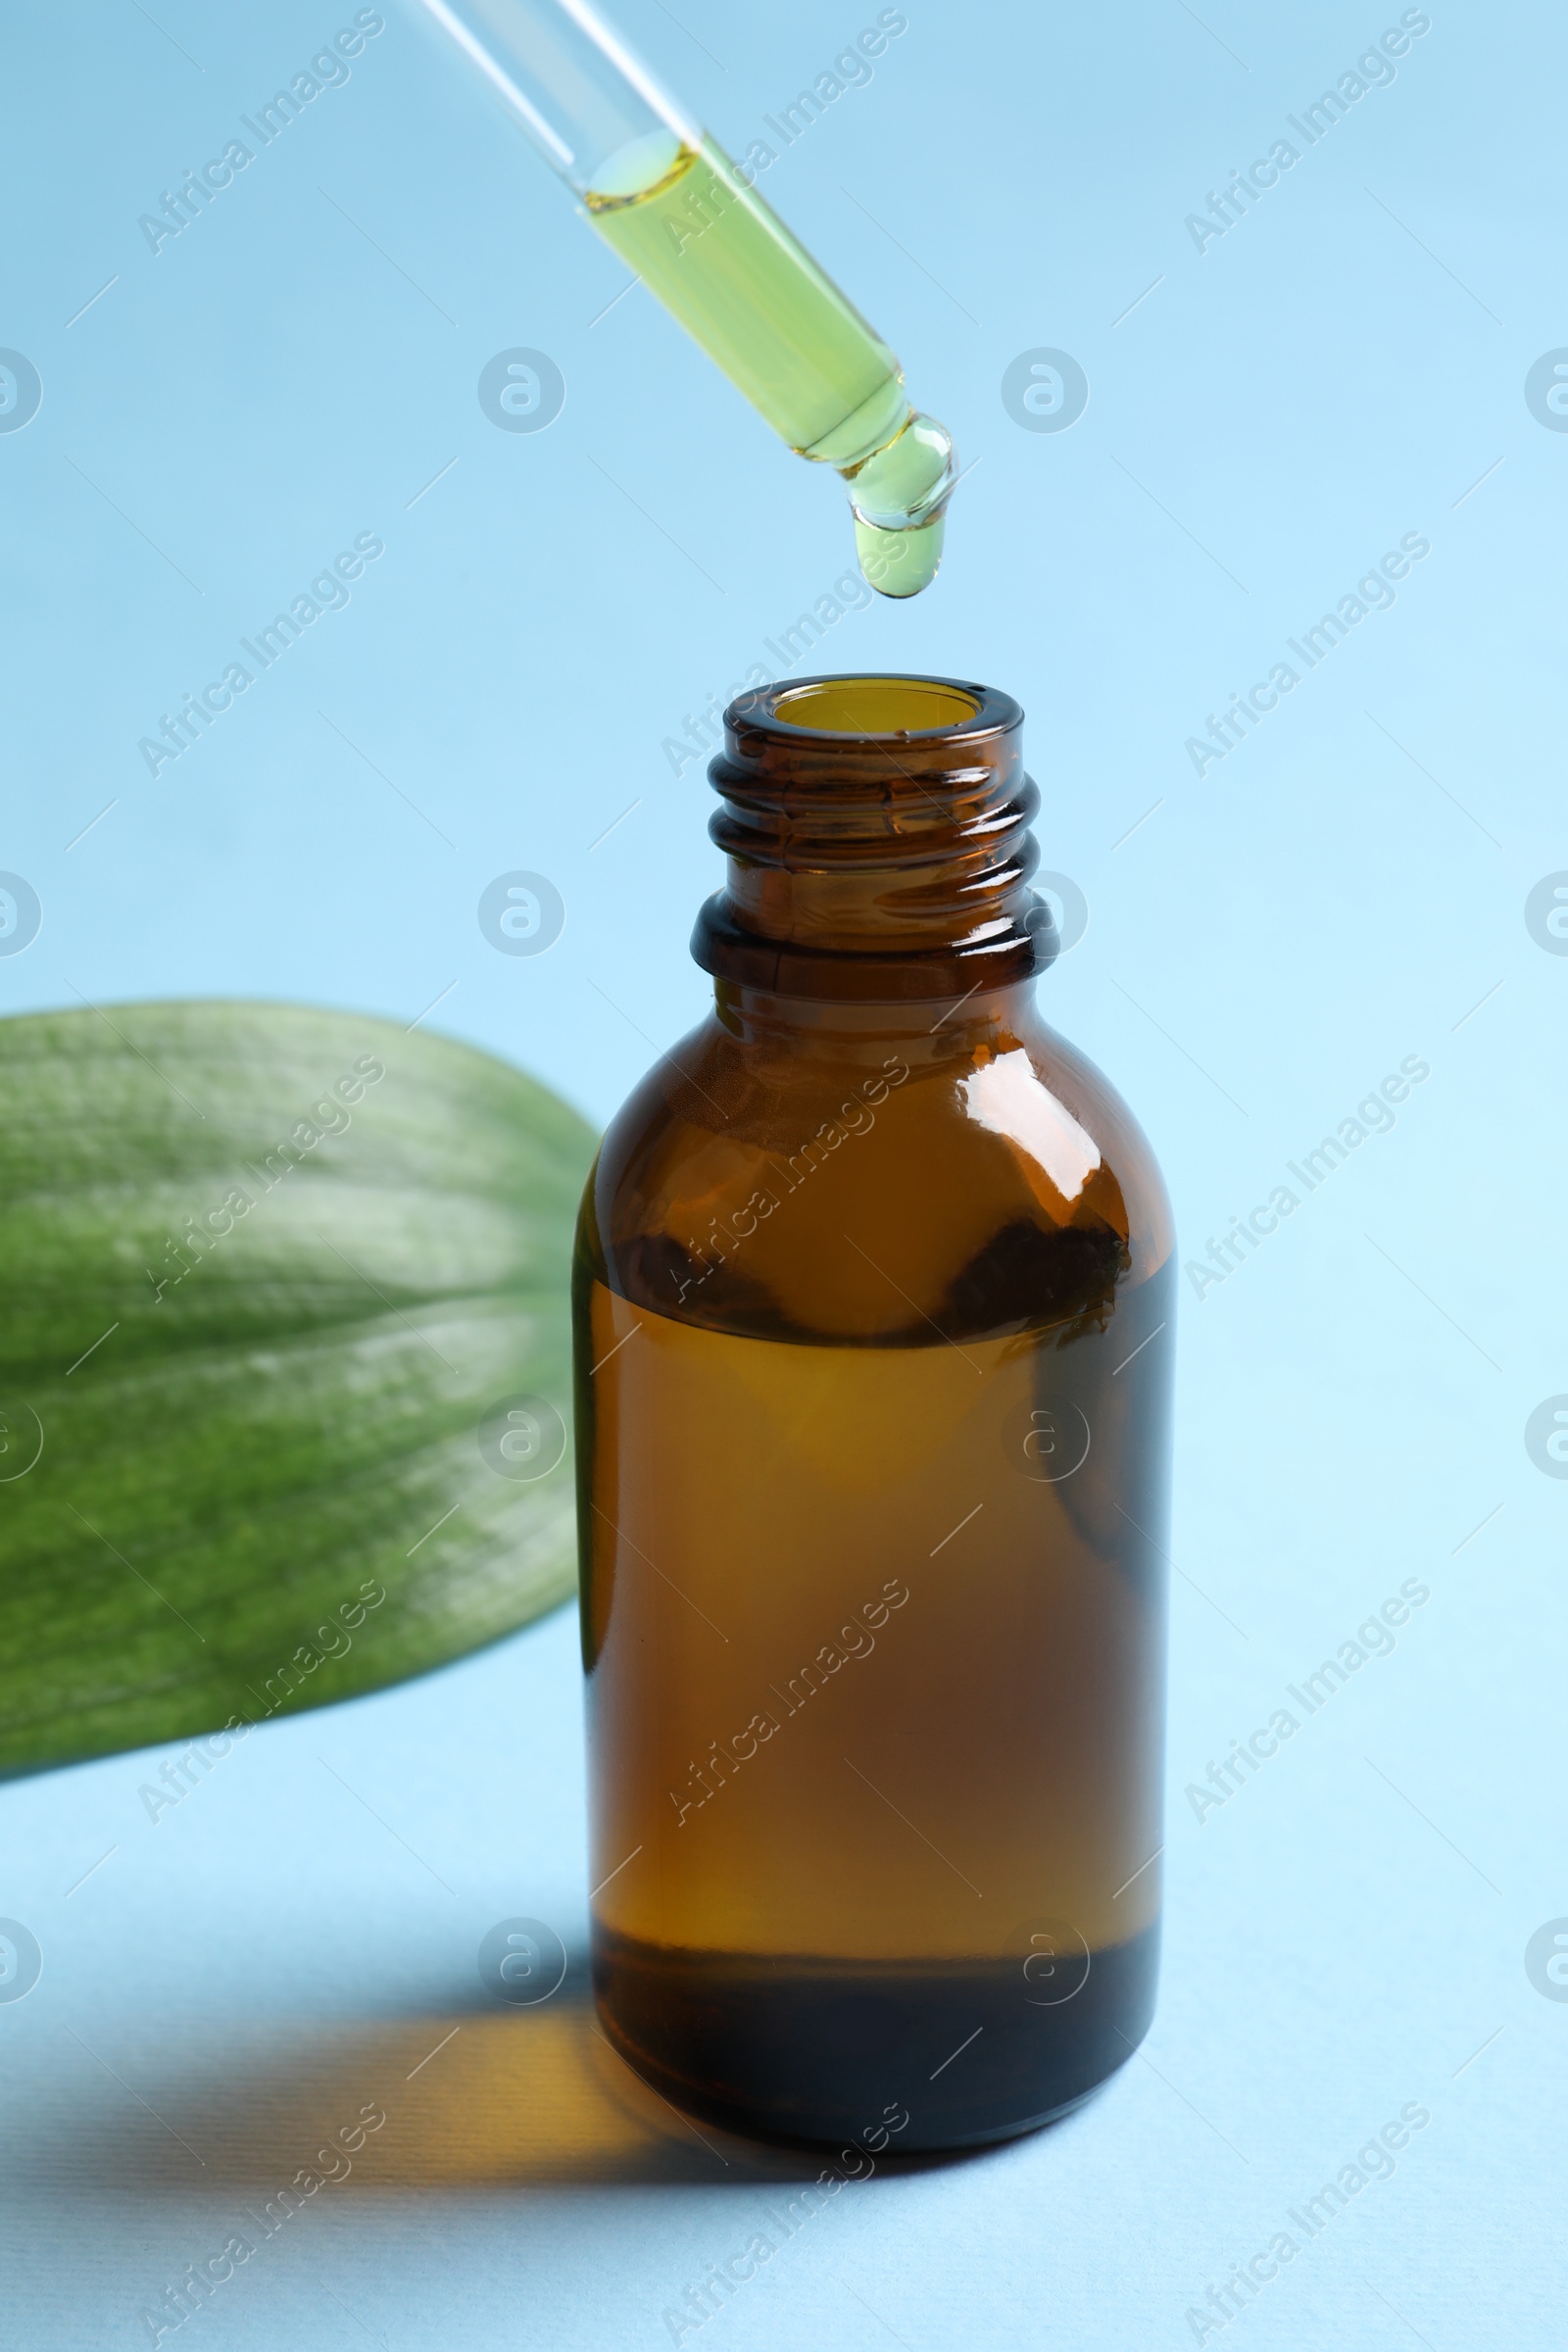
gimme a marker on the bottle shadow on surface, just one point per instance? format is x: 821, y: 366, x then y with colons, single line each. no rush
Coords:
x: 463, y: 2097
x: 447, y: 2099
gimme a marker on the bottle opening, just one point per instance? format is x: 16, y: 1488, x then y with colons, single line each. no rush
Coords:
x: 875, y: 706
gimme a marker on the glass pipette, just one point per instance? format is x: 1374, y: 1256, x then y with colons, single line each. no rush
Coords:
x: 691, y: 225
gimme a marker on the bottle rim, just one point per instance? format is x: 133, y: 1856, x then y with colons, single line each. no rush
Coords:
x: 869, y: 708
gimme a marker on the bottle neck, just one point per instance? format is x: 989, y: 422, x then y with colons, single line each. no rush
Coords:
x: 873, y: 861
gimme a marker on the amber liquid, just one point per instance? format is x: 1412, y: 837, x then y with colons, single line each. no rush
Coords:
x: 875, y: 1627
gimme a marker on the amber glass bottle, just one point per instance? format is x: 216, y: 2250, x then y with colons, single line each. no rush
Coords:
x: 873, y: 1312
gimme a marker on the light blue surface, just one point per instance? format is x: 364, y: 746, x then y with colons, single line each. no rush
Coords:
x: 1345, y: 366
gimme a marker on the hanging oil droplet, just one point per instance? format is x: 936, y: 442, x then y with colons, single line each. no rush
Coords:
x: 900, y: 496
x: 900, y: 562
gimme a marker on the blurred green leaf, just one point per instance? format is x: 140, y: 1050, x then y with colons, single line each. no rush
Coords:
x: 265, y: 1274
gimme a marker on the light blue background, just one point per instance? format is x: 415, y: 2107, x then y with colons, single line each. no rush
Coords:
x: 1341, y: 368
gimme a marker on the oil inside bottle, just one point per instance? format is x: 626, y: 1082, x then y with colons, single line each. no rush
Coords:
x: 685, y: 220
x: 868, y: 1731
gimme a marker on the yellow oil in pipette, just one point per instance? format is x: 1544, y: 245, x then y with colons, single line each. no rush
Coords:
x: 685, y: 220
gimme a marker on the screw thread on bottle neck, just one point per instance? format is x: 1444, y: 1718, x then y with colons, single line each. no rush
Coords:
x: 877, y: 833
